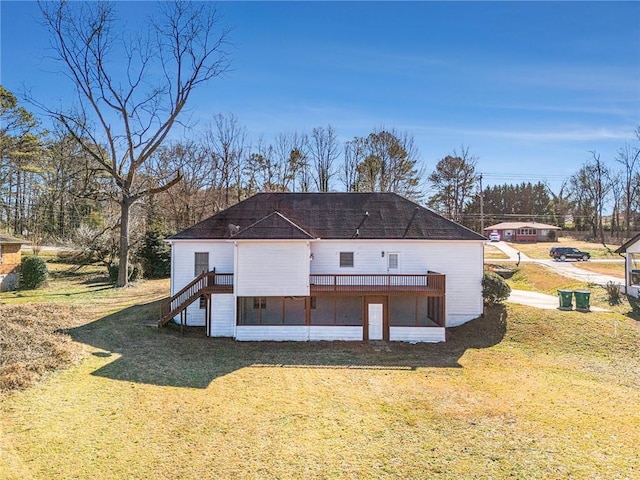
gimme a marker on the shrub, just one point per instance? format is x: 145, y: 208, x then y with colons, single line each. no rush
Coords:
x: 494, y: 288
x: 551, y: 236
x: 613, y: 293
x: 33, y: 272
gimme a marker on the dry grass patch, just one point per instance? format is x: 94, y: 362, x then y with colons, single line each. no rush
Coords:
x: 541, y: 250
x: 536, y: 277
x: 491, y: 252
x: 614, y: 269
x: 32, y: 343
x: 34, y: 326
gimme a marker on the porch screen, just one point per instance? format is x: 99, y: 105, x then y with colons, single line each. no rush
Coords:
x: 410, y: 312
x: 337, y: 311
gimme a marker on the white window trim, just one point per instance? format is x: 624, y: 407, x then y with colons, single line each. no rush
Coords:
x: 353, y: 260
x: 195, y: 254
x: 397, y: 255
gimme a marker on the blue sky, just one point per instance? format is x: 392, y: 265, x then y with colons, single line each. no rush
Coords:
x: 530, y: 88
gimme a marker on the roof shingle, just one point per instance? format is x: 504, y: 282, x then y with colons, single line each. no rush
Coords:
x: 328, y: 216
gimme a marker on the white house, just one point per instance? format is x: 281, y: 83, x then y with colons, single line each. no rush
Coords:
x: 326, y: 266
x: 631, y: 249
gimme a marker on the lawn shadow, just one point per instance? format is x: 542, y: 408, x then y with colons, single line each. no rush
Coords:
x: 145, y: 354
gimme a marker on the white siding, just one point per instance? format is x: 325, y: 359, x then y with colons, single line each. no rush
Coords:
x: 183, y: 264
x: 297, y: 333
x: 336, y: 333
x: 416, y: 334
x: 272, y: 269
x: 272, y: 333
x: 460, y: 261
x: 223, y: 315
x: 634, y: 247
x: 282, y: 268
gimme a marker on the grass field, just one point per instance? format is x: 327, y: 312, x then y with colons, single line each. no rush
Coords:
x: 492, y: 252
x: 614, y: 269
x: 519, y: 393
x: 541, y: 250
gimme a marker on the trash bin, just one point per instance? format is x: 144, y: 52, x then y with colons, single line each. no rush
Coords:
x: 565, y: 299
x: 582, y: 300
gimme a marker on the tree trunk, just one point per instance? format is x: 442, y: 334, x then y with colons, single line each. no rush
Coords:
x: 123, y: 264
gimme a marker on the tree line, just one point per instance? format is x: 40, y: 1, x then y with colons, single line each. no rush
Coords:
x: 107, y: 172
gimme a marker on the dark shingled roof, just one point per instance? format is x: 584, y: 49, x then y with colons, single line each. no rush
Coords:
x: 623, y: 248
x: 327, y: 216
x: 6, y: 240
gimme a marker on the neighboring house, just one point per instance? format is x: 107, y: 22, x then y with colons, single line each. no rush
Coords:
x: 631, y: 249
x: 522, y: 231
x: 10, y: 258
x: 326, y: 266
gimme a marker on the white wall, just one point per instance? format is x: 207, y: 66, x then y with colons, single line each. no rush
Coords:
x: 460, y: 261
x: 223, y: 315
x: 297, y: 333
x: 416, y: 334
x: 183, y: 265
x: 272, y: 268
x: 272, y: 333
x: 282, y: 268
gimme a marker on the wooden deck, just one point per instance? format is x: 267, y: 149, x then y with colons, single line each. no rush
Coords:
x: 431, y: 284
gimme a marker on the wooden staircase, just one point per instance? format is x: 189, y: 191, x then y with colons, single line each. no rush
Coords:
x: 204, y: 284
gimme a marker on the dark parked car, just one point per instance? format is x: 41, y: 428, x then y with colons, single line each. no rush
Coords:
x: 563, y: 253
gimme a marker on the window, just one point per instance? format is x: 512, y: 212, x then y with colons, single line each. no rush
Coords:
x: 527, y: 231
x: 201, y: 263
x: 346, y: 259
x: 259, y: 302
x: 393, y: 261
x: 203, y: 301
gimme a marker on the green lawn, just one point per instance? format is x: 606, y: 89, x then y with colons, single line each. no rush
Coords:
x: 519, y: 393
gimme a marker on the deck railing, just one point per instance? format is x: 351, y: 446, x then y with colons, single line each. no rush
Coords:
x: 431, y: 283
x: 206, y: 282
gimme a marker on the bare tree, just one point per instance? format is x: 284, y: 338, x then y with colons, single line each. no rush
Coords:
x: 191, y: 200
x: 354, y: 155
x: 290, y: 153
x: 132, y: 90
x: 590, y: 189
x: 629, y: 157
x: 325, y: 149
x: 225, y: 142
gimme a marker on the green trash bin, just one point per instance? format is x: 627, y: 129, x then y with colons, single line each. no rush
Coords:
x: 566, y: 297
x: 582, y: 300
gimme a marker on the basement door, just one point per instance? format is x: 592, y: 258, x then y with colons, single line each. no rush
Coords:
x: 376, y: 324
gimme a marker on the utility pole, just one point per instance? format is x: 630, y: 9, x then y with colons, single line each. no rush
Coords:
x: 481, y: 207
